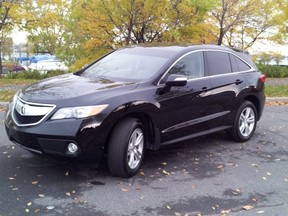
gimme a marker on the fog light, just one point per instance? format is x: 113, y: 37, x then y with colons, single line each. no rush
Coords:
x: 72, y: 148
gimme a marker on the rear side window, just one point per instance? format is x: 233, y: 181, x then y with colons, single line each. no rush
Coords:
x: 238, y: 65
x: 218, y: 62
x: 191, y: 66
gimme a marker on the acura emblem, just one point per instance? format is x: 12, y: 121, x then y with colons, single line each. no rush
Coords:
x: 22, y: 110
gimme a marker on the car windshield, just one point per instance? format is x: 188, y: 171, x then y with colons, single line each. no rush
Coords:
x: 127, y: 64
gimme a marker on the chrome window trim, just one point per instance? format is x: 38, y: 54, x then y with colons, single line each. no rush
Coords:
x: 52, y: 106
x: 205, y: 50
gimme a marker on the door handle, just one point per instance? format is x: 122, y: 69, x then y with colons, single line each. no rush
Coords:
x: 238, y: 81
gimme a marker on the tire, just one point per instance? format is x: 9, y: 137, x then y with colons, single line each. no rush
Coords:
x: 245, y: 122
x: 126, y: 148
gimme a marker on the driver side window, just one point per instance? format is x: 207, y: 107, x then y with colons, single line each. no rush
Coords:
x: 191, y: 66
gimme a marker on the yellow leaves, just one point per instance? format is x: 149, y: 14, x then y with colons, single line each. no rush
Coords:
x: 34, y: 182
x: 247, y: 207
x: 165, y: 172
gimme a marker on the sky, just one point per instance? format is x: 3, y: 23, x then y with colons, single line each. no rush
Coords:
x: 19, y: 37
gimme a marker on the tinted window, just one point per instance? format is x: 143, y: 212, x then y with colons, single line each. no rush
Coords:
x: 242, y: 65
x: 238, y: 65
x: 191, y: 66
x: 218, y: 63
x: 233, y: 63
x: 126, y: 64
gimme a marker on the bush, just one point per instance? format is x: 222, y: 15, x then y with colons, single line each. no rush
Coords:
x: 273, y: 71
x: 34, y: 75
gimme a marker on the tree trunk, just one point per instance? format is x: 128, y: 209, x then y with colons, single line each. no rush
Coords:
x: 221, y: 35
x: 1, y: 66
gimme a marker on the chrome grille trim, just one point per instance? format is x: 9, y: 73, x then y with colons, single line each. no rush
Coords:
x: 29, y: 110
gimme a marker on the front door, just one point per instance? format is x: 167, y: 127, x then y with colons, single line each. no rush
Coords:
x: 185, y: 109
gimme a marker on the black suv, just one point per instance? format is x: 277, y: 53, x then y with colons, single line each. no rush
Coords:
x: 139, y: 98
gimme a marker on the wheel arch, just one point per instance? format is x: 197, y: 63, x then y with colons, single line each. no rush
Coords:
x: 150, y: 121
x: 256, y: 102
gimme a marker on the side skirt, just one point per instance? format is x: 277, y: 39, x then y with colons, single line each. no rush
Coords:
x: 195, y: 135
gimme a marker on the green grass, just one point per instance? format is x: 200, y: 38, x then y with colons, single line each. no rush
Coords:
x: 6, y: 95
x: 16, y: 81
x: 276, y: 91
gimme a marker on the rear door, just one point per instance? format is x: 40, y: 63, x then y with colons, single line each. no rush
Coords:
x: 227, y: 81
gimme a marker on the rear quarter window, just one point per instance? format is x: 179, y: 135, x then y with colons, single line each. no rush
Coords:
x: 238, y: 65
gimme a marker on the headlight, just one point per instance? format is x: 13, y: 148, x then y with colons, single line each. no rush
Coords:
x: 78, y: 112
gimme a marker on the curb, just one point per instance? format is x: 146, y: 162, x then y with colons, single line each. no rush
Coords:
x: 276, y: 99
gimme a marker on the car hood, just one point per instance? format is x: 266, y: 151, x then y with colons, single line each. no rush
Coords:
x: 70, y: 86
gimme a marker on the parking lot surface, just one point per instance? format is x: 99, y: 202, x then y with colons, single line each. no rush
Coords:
x: 206, y: 176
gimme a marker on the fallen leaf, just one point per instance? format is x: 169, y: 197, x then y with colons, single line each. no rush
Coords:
x: 34, y: 182
x: 164, y: 163
x: 268, y: 173
x: 29, y: 204
x: 124, y: 190
x: 168, y: 207
x: 68, y: 194
x: 41, y: 195
x: 165, y: 172
x: 37, y: 210
x: 27, y: 210
x: 81, y: 201
x: 264, y: 178
x: 177, y: 214
x: 50, y: 207
x: 14, y: 189
x: 11, y: 178
x: 224, y: 212
x: 260, y: 212
x: 247, y: 207
x: 142, y: 173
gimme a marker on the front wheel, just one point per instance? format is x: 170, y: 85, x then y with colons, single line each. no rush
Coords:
x: 126, y: 148
x: 245, y: 122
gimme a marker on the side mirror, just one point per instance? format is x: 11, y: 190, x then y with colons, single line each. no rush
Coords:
x: 176, y: 80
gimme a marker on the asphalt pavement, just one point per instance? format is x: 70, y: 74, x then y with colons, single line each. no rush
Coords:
x: 206, y: 176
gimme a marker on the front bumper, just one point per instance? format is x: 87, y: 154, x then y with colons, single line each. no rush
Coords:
x: 53, y: 137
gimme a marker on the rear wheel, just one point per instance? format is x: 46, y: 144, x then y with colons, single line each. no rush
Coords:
x: 126, y: 148
x: 245, y: 122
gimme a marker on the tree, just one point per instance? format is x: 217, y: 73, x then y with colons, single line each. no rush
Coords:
x: 264, y: 58
x: 7, y: 47
x: 242, y: 23
x: 6, y: 8
x: 277, y: 57
x: 111, y: 23
x: 44, y: 22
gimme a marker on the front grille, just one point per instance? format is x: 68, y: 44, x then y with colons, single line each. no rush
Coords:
x: 26, y: 119
x: 28, y: 114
